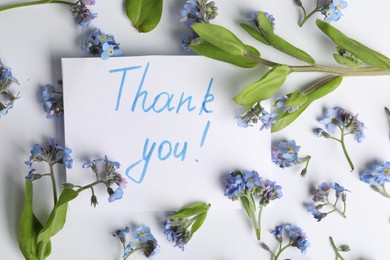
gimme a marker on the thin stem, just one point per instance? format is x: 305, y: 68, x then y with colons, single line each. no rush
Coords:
x: 387, y: 111
x: 259, y: 220
x: 11, y: 6
x: 338, y: 256
x: 89, y: 186
x: 53, y: 183
x: 332, y: 70
x: 385, y: 193
x: 318, y: 8
x: 345, y: 150
x: 253, y: 215
x: 281, y: 249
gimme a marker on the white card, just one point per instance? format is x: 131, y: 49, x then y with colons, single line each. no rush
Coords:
x: 169, y: 121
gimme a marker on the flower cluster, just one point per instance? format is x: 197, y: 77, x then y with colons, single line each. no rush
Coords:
x: 332, y: 10
x: 322, y: 201
x: 285, y: 154
x: 53, y: 101
x: 247, y: 186
x: 83, y: 15
x: 196, y: 11
x: 6, y: 80
x: 377, y: 177
x: 296, y: 237
x: 348, y: 124
x: 98, y: 43
x: 181, y: 226
x: 108, y: 176
x: 146, y: 242
x: 52, y: 154
x: 254, y: 115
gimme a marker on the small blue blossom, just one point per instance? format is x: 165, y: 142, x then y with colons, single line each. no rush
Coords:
x: 190, y: 13
x: 83, y: 15
x: 380, y: 174
x: 295, y: 234
x: 270, y: 191
x: 251, y: 179
x: 98, y: 43
x: 285, y: 154
x: 281, y: 103
x: 235, y: 185
x: 241, y: 122
x: 53, y: 103
x: 332, y: 119
x: 254, y: 20
x: 90, y: 163
x: 35, y: 151
x: 118, y: 193
x: 122, y: 232
x: 30, y: 175
x: 143, y: 234
x: 339, y: 189
x: 268, y: 119
x: 174, y: 233
x: 316, y: 214
x: 127, y: 250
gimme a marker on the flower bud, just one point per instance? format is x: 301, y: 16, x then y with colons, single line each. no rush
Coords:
x: 94, y: 201
x: 264, y: 246
x: 110, y: 191
x: 344, y: 248
x: 298, y: 2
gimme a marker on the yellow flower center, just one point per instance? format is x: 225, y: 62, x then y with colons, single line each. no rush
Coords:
x: 110, y: 52
x: 386, y: 172
x: 142, y: 234
x: 250, y: 179
x: 338, y: 6
x: 288, y: 149
x: 102, y: 37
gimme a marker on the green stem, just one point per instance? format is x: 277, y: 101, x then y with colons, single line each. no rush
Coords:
x: 385, y: 193
x: 41, y: 250
x: 336, y: 71
x: 281, y: 249
x: 338, y: 256
x: 345, y: 150
x: 256, y: 223
x: 53, y: 183
x: 11, y: 6
x: 89, y: 186
x: 306, y: 17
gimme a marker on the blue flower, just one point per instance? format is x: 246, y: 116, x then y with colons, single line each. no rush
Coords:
x: 285, y: 154
x: 118, y: 193
x: 109, y: 50
x: 143, y: 234
x: 6, y: 77
x: 268, y: 119
x: 175, y: 230
x: 110, y: 164
x: 190, y: 13
x: 251, y: 179
x: 90, y: 163
x: 53, y: 103
x: 331, y: 14
x: 316, y: 214
x: 383, y: 173
x: 339, y: 189
x: 86, y: 17
x: 324, y: 188
x: 30, y: 175
x: 271, y: 191
x: 127, y: 250
x: 235, y: 185
x: 121, y: 232
x: 35, y: 151
x: 241, y: 122
x: 67, y: 159
x: 254, y: 19
x: 332, y: 119
x: 278, y: 231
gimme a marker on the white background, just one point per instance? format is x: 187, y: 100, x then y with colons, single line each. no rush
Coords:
x: 34, y: 39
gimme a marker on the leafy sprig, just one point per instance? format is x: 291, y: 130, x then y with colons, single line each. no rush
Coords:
x: 356, y: 59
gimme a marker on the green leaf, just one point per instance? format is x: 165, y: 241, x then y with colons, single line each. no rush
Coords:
x: 314, y: 92
x: 345, y: 61
x: 144, y: 14
x: 264, y: 24
x: 220, y: 37
x: 28, y: 226
x: 284, y: 46
x: 267, y: 32
x: 198, y: 222
x: 245, y: 202
x: 361, y: 51
x: 206, y: 49
x: 57, y: 217
x: 192, y: 210
x: 254, y: 33
x: 264, y: 88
